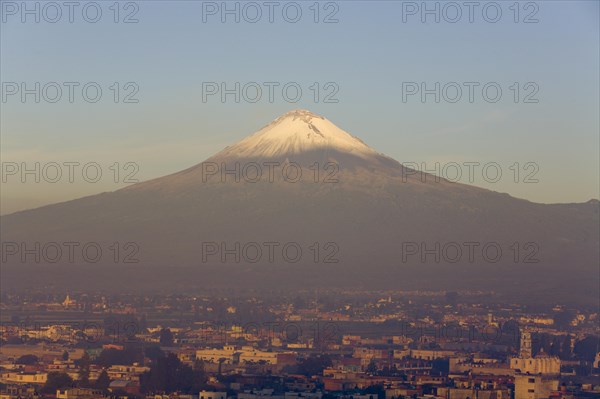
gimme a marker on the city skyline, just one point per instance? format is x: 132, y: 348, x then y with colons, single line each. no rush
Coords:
x: 311, y: 199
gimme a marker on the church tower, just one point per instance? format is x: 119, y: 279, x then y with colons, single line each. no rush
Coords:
x: 525, y: 350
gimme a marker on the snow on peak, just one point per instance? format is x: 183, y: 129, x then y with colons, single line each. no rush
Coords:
x: 294, y: 133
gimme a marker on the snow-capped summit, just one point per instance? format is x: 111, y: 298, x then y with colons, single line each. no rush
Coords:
x: 366, y: 205
x: 296, y: 133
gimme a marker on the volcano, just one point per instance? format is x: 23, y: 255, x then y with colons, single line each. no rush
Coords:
x: 303, y: 204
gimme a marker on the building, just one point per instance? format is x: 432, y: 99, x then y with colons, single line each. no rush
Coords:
x: 535, y: 386
x: 25, y: 378
x: 473, y: 393
x: 247, y: 354
x: 78, y: 393
x: 126, y: 372
x: 129, y: 387
x: 225, y: 355
x: 535, y: 377
x: 528, y: 364
x: 18, y: 392
x: 69, y: 303
x: 251, y: 355
x: 431, y: 354
x: 212, y: 395
x: 476, y: 366
x: 540, y: 364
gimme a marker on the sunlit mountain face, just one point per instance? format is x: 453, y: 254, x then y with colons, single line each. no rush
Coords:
x: 302, y: 203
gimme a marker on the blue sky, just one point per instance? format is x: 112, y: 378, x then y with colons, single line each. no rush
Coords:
x: 367, y: 54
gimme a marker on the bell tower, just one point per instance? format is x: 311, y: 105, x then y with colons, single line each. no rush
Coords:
x: 525, y: 350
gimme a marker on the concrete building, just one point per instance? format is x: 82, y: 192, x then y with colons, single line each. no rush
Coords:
x: 535, y: 386
x: 472, y: 393
x: 431, y: 354
x: 214, y: 355
x: 535, y: 377
x: 24, y: 378
x: 212, y: 395
x: 78, y: 393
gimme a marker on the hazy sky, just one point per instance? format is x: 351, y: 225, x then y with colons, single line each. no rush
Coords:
x: 370, y: 54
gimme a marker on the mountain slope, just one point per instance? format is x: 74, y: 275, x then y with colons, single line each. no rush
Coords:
x: 361, y: 208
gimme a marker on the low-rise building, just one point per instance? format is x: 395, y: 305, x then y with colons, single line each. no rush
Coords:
x: 212, y: 395
x: 535, y: 386
x: 78, y: 393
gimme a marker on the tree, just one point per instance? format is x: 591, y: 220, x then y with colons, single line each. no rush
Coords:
x: 55, y: 381
x: 314, y: 365
x: 378, y: 390
x: 168, y: 374
x: 153, y: 352
x: 84, y: 369
x: 199, y: 366
x: 166, y: 337
x: 587, y: 348
x: 221, y: 360
x: 111, y: 356
x: 371, y: 367
x: 103, y: 381
x: 440, y: 366
x: 27, y: 360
